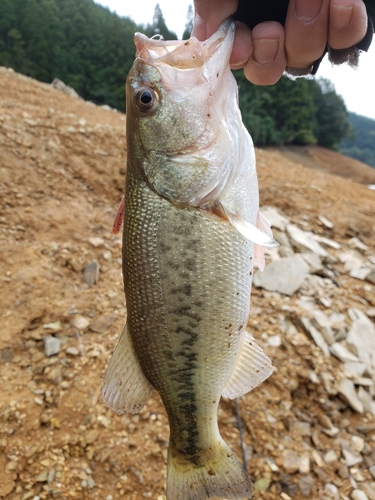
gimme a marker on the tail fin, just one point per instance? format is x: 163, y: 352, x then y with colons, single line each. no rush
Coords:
x: 221, y: 475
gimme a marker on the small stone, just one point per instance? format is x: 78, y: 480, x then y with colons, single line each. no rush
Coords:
x: 262, y: 484
x: 72, y: 351
x: 315, y: 335
x: 351, y: 457
x: 291, y: 461
x: 284, y: 276
x: 96, y: 242
x: 101, y: 324
x: 317, y: 458
x: 358, y: 443
x: 56, y: 326
x: 327, y: 223
x: 300, y: 428
x: 357, y: 243
x: 313, y: 261
x: 304, y: 466
x: 372, y: 471
x: 51, y: 345
x: 347, y: 390
x: 332, y: 491
x: 80, y: 322
x: 91, y: 436
x: 342, y: 353
x: 330, y: 457
x: 274, y: 341
x: 305, y: 485
x: 42, y: 477
x: 51, y: 476
x: 359, y: 495
x: 274, y: 217
x: 91, y: 273
x: 303, y: 240
x: 104, y: 421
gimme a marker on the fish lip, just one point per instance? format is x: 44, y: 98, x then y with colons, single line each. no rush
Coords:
x: 182, y: 54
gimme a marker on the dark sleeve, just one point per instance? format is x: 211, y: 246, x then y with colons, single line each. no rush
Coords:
x: 253, y: 12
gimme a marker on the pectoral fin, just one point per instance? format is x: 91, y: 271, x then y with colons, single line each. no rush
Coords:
x: 252, y: 368
x: 264, y: 226
x: 249, y: 231
x: 125, y: 387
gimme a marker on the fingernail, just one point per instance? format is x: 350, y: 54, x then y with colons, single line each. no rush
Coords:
x: 265, y: 50
x: 307, y: 10
x: 341, y: 15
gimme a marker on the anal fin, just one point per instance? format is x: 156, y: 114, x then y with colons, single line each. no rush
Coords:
x: 253, y: 366
x: 125, y: 387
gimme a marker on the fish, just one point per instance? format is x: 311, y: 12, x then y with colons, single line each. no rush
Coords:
x: 192, y: 232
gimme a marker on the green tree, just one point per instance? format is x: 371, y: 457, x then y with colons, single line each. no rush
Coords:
x: 159, y: 27
x: 189, y: 23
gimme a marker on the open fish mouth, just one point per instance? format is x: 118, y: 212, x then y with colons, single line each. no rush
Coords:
x: 188, y: 55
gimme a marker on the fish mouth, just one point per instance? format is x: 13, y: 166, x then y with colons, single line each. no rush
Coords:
x: 186, y: 54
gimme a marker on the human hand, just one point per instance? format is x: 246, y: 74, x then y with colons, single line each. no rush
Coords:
x: 265, y: 51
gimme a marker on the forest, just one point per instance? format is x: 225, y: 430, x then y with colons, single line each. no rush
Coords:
x: 91, y: 49
x: 361, y: 145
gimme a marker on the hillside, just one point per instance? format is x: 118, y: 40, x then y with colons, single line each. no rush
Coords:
x: 309, y: 430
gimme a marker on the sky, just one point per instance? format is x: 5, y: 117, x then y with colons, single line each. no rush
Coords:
x: 357, y: 87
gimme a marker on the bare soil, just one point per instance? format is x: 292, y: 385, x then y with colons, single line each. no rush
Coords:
x: 62, y: 165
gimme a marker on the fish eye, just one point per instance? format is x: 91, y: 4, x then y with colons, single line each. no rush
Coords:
x: 146, y: 99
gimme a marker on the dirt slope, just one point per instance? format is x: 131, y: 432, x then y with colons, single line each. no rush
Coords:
x: 62, y: 164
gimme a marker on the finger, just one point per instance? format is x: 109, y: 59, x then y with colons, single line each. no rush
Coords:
x: 242, y: 47
x: 347, y: 24
x: 209, y: 14
x: 306, y: 31
x: 268, y: 61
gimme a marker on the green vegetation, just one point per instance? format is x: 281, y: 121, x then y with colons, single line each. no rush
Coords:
x: 92, y: 49
x: 362, y: 143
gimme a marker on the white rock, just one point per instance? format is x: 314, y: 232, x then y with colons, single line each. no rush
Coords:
x: 274, y: 217
x: 354, y: 369
x: 332, y: 491
x: 327, y: 223
x: 367, y: 401
x: 80, y: 322
x: 274, y: 341
x: 327, y: 242
x: 361, y: 338
x: 284, y: 276
x: 358, y: 495
x: 316, y: 336
x: 304, y: 240
x: 351, y: 260
x: 358, y: 443
x: 96, y: 242
x: 330, y: 457
x: 313, y: 261
x: 347, y: 390
x: 341, y: 352
x: 361, y: 273
x: 51, y: 345
x: 357, y: 243
x: 351, y: 456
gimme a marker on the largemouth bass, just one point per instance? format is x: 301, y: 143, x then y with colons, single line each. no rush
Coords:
x: 191, y: 219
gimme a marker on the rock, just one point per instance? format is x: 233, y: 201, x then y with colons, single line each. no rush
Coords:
x: 366, y: 400
x: 332, y: 491
x: 42, y: 477
x: 327, y: 242
x: 371, y: 277
x: 317, y: 459
x: 369, y: 490
x: 96, y: 242
x: 316, y: 336
x: 304, y: 465
x: 347, y: 390
x: 60, y: 85
x: 361, y: 338
x: 304, y: 241
x: 284, y: 276
x: 80, y: 322
x: 305, y: 485
x: 51, y: 345
x: 72, y: 351
x: 300, y: 428
x: 358, y: 443
x: 330, y: 457
x: 357, y: 243
x: 351, y: 260
x: 354, y: 369
x: 291, y: 461
x: 359, y: 495
x: 361, y: 273
x: 327, y: 223
x: 321, y: 321
x: 56, y: 326
x: 91, y: 273
x: 262, y: 484
x: 342, y: 353
x: 351, y: 456
x: 101, y: 324
x: 372, y: 471
x: 313, y: 261
x: 274, y: 217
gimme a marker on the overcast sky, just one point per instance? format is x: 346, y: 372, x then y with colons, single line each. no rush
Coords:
x: 356, y: 86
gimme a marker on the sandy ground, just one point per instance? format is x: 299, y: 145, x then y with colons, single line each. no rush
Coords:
x: 62, y: 165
